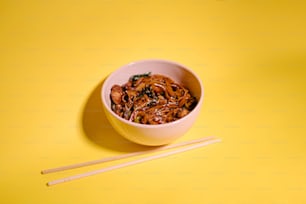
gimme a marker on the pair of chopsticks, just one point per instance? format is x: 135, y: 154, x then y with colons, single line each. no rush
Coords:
x: 186, y: 146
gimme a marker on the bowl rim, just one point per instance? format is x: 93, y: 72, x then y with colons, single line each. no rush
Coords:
x: 118, y: 70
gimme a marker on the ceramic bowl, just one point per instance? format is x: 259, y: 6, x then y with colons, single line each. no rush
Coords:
x: 153, y: 135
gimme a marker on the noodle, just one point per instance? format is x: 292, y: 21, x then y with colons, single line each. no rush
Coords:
x: 151, y: 99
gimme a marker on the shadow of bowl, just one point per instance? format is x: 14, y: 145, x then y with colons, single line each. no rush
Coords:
x: 97, y: 128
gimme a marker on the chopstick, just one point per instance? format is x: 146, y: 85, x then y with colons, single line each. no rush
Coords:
x: 123, y: 156
x: 130, y: 163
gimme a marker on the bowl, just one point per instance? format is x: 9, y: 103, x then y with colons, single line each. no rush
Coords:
x: 145, y: 134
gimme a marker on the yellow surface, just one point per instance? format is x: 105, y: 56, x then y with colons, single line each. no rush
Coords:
x: 250, y: 56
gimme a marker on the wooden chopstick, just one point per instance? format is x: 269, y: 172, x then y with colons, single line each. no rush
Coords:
x: 123, y: 156
x: 91, y: 173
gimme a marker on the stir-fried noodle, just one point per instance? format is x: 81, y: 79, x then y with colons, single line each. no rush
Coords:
x: 151, y: 99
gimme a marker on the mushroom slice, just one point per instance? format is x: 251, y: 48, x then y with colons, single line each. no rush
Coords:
x: 116, y: 94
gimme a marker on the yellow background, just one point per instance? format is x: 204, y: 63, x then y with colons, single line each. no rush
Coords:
x: 251, y: 57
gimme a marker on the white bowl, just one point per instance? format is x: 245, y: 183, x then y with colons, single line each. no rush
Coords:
x: 153, y: 135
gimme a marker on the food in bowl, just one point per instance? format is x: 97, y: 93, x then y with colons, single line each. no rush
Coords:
x: 164, y: 133
x: 151, y: 99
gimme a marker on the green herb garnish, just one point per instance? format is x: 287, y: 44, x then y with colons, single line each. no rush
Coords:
x: 138, y: 76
